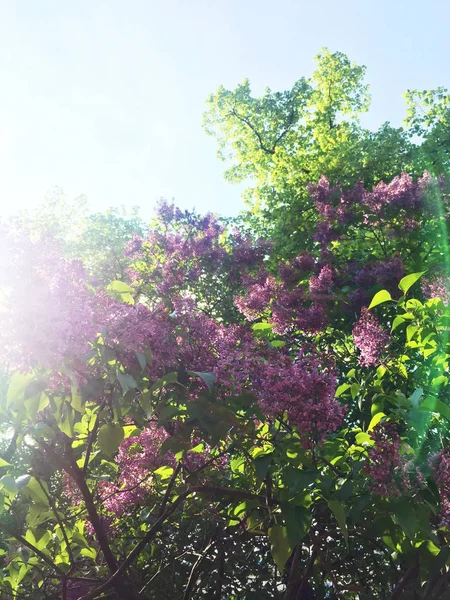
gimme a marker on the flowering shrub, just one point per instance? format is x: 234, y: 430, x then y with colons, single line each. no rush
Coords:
x: 212, y: 407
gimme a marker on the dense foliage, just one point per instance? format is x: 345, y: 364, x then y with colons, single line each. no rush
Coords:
x: 282, y: 141
x: 184, y: 415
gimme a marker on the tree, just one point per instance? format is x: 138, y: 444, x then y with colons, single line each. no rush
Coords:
x: 98, y: 239
x: 283, y: 141
x: 428, y: 117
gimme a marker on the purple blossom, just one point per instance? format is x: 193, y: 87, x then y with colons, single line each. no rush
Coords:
x: 437, y: 286
x: 385, y: 465
x: 370, y: 338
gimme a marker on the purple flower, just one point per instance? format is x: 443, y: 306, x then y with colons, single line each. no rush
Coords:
x: 370, y: 338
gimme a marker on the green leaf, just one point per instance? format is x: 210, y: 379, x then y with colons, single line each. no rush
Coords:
x: 262, y: 326
x: 126, y: 381
x: 298, y: 522
x: 279, y: 545
x: 208, y: 378
x: 379, y: 298
x: 9, y: 483
x: 164, y: 381
x: 399, y: 320
x: 434, y: 405
x: 110, y: 436
x: 410, y: 331
x: 142, y: 360
x: 406, y: 517
x: 338, y: 511
x: 375, y: 420
x: 167, y: 413
x: 122, y: 290
x: 3, y: 463
x: 44, y: 540
x: 89, y: 553
x: 416, y: 396
x: 34, y: 491
x: 17, y: 387
x: 342, y: 389
x: 277, y: 344
x: 363, y: 438
x: 409, y: 280
x: 262, y: 464
x: 164, y: 472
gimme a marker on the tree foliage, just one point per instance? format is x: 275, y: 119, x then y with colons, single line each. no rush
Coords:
x: 282, y: 141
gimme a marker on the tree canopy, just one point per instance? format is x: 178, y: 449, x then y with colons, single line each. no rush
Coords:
x: 282, y: 141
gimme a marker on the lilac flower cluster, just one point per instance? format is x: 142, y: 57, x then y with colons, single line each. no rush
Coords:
x: 384, y: 464
x: 304, y: 389
x: 47, y: 306
x: 370, y: 338
x: 440, y: 464
x: 437, y: 286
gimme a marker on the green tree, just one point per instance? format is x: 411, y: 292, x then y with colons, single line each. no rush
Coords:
x: 283, y: 140
x: 428, y: 117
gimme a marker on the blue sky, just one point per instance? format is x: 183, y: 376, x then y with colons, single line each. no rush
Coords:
x: 105, y: 97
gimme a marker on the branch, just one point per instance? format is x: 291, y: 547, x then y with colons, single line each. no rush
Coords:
x: 169, y: 489
x: 159, y: 522
x: 138, y: 547
x: 410, y: 573
x: 193, y: 574
x: 245, y: 120
x: 58, y: 520
x: 33, y: 548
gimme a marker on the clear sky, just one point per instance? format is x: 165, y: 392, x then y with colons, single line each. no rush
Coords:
x: 105, y: 97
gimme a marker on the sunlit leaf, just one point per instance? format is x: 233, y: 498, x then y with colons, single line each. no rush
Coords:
x: 110, y: 435
x: 409, y: 281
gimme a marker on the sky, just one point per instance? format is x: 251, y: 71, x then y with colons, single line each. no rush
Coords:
x: 104, y: 98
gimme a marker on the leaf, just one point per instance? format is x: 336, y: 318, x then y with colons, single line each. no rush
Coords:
x: 375, y: 420
x: 34, y: 491
x: 341, y: 389
x: 298, y: 522
x: 9, y: 483
x: 338, y: 511
x: 416, y: 396
x: 262, y: 464
x: 298, y: 480
x: 3, y: 463
x: 17, y: 387
x: 262, y: 326
x: 406, y: 517
x: 167, y: 413
x: 409, y: 281
x: 363, y: 438
x: 164, y: 381
x: 121, y: 289
x: 110, y: 436
x: 399, y: 320
x: 126, y: 381
x: 434, y: 405
x: 22, y: 481
x: 279, y: 545
x: 44, y: 540
x: 379, y: 298
x: 277, y: 344
x: 141, y: 360
x: 410, y: 331
x: 164, y: 472
x: 208, y: 378
x: 89, y: 553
